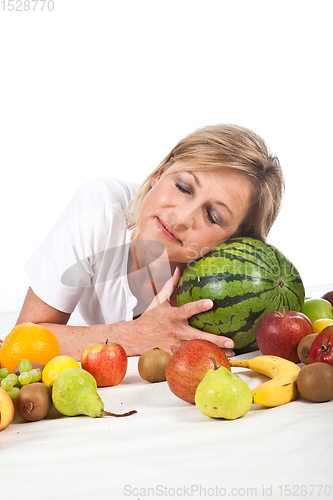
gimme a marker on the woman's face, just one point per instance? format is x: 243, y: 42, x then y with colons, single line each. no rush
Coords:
x: 191, y: 212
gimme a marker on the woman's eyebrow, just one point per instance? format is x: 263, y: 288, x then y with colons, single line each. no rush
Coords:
x: 226, y: 206
x: 217, y: 202
x: 195, y: 178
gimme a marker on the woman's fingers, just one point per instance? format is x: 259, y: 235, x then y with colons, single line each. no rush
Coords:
x: 178, y: 317
x: 192, y: 308
x: 223, y: 342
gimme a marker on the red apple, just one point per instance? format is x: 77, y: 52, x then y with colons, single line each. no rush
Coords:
x: 278, y: 333
x: 328, y: 296
x: 7, y: 409
x: 106, y: 362
x: 321, y: 350
x: 189, y: 364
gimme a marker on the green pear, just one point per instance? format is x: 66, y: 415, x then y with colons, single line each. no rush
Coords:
x: 222, y: 394
x: 74, y: 392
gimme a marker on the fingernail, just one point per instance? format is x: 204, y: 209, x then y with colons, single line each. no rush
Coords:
x: 229, y: 343
x: 208, y: 303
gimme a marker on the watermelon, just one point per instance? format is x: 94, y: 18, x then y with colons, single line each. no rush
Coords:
x: 246, y: 278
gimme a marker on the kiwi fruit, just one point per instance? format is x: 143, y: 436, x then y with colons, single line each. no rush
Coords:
x: 303, y: 348
x: 315, y: 382
x: 152, y: 365
x: 34, y: 401
x: 33, y: 366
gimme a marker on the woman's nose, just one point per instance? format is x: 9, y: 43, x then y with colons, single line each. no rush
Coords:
x: 185, y: 215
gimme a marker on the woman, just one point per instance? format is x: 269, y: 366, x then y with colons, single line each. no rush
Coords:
x: 218, y: 182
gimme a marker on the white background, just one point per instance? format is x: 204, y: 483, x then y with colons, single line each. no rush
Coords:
x: 106, y: 88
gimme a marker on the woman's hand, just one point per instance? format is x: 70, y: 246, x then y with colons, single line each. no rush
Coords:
x: 165, y: 326
x: 162, y: 325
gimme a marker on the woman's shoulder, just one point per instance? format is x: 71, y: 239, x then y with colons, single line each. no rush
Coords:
x: 96, y: 196
x: 120, y: 189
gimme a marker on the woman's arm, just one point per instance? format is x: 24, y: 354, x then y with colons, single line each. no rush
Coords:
x: 162, y: 325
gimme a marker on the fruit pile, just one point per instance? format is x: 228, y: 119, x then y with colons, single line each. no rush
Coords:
x: 194, y: 375
x: 200, y: 373
x: 303, y: 337
x: 32, y: 388
x: 259, y: 302
x: 286, y: 339
x: 296, y: 354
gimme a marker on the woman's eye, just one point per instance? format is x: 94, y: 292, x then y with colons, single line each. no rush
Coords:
x: 214, y: 217
x: 182, y: 188
x: 211, y: 218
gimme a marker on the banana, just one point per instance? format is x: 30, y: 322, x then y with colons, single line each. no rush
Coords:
x: 281, y: 389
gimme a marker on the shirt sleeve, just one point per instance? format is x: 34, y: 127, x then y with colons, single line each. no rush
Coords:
x: 80, y: 233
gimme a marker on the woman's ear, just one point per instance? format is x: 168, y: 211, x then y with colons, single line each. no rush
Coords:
x: 156, y: 177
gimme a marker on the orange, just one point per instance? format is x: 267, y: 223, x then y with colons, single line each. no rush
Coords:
x: 28, y: 341
x: 320, y: 324
x: 56, y: 366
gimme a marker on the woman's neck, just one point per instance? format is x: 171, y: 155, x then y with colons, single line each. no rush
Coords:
x: 152, y: 254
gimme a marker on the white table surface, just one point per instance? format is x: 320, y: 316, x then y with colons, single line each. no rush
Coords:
x: 169, y: 449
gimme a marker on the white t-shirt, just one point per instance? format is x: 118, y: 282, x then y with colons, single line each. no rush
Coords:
x: 83, y: 260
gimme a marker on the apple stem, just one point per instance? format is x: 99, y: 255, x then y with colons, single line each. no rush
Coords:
x: 284, y: 311
x: 107, y: 340
x: 214, y: 362
x: 109, y: 414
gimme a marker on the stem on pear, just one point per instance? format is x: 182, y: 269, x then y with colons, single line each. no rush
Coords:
x: 109, y: 414
x: 214, y: 362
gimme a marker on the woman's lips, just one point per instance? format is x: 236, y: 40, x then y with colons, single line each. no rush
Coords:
x: 167, y: 231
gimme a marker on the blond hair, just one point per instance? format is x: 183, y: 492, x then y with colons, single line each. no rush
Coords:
x: 227, y: 146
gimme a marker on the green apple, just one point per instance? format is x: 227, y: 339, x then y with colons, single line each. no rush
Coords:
x: 222, y: 394
x: 317, y: 309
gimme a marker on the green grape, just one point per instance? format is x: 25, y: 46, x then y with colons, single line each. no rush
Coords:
x: 7, y: 384
x: 14, y: 392
x: 24, y: 366
x: 36, y: 375
x: 4, y: 372
x: 25, y: 378
x: 13, y: 377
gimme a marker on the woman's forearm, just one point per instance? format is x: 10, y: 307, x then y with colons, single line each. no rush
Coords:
x: 74, y: 339
x: 161, y: 325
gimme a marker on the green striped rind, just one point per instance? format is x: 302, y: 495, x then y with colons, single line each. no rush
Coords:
x: 246, y: 278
